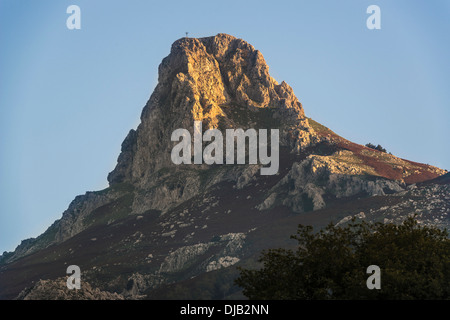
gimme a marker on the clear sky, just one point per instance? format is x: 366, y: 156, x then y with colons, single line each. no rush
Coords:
x: 69, y: 97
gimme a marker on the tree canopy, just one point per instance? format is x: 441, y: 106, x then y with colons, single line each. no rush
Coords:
x: 331, y: 264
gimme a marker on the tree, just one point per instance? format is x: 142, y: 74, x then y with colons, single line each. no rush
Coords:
x: 332, y: 263
x: 378, y: 147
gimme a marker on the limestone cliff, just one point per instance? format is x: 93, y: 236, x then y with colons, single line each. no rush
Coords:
x: 208, y: 79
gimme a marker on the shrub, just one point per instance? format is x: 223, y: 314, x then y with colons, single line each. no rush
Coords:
x: 378, y: 147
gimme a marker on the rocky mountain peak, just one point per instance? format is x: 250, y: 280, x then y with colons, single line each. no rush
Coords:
x: 222, y: 81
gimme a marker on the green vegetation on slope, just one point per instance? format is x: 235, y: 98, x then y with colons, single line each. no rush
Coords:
x: 331, y: 264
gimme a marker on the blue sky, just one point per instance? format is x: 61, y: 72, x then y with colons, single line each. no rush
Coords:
x: 69, y: 97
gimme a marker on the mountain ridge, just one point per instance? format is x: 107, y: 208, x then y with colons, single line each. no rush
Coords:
x: 159, y: 224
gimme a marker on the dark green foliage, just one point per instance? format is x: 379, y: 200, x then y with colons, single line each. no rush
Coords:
x: 331, y: 264
x: 378, y: 147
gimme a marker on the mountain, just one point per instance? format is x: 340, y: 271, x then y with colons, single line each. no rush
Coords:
x: 165, y: 230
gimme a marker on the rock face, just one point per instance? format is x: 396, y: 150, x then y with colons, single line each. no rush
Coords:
x: 178, y: 231
x: 57, y: 290
x: 208, y: 80
x: 317, y: 176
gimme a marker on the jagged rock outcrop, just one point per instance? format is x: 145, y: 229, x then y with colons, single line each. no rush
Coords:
x: 206, y: 79
x: 57, y: 290
x: 308, y: 181
x: 428, y: 203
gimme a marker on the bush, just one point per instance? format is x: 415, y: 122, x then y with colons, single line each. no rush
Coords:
x: 378, y: 147
x: 332, y: 263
